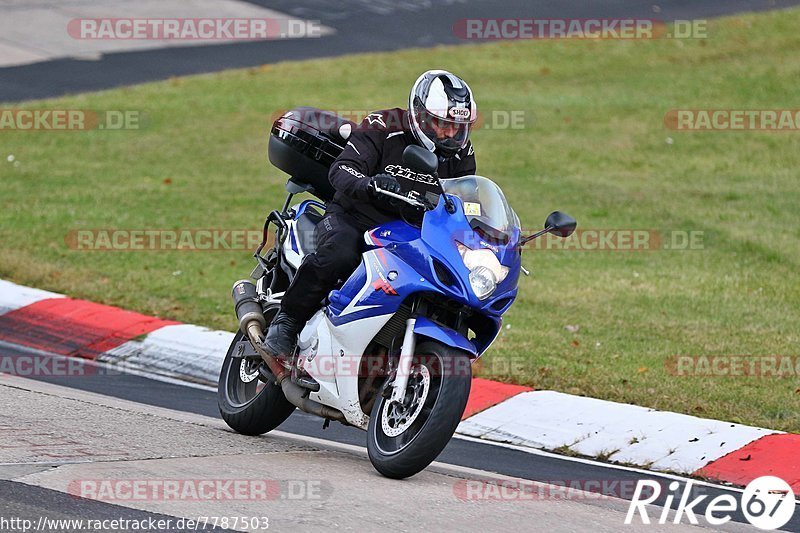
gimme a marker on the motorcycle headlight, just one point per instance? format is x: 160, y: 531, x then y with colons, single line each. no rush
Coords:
x: 482, y: 281
x: 485, y: 270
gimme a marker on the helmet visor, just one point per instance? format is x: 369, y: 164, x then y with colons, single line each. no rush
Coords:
x: 450, y: 133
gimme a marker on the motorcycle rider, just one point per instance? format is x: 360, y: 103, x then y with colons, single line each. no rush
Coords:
x: 441, y: 110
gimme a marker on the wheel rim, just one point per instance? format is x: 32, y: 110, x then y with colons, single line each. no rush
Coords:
x: 399, y: 427
x: 242, y: 383
x: 396, y: 417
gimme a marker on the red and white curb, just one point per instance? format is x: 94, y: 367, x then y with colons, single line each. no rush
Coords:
x: 499, y: 412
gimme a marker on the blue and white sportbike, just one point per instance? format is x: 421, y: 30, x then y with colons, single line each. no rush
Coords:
x: 390, y: 351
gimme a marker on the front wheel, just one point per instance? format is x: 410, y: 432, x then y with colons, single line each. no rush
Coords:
x: 403, y: 439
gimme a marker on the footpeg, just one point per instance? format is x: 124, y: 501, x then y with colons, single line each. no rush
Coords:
x: 306, y: 382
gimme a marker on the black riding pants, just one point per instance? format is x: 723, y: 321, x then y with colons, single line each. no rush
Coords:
x: 340, y: 241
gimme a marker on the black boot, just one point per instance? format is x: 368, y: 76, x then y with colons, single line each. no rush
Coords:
x: 282, y: 337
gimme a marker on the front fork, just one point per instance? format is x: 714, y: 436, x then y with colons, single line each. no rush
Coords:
x: 404, y: 365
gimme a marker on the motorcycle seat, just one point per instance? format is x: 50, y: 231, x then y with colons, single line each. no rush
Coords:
x: 306, y: 234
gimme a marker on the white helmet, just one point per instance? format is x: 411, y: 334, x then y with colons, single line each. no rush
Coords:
x: 441, y: 110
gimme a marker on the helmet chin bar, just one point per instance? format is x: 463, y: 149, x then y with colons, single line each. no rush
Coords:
x: 438, y: 147
x: 447, y: 147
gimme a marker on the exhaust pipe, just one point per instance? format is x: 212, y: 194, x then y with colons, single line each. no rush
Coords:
x: 293, y: 392
x: 296, y: 395
x: 252, y: 323
x: 247, y: 305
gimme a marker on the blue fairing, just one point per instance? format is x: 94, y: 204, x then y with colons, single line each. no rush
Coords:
x: 399, y: 262
x: 443, y: 334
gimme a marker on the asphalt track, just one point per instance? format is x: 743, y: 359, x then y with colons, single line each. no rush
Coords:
x: 360, y: 26
x: 491, y: 459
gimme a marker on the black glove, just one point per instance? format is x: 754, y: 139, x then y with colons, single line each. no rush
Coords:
x: 385, y: 182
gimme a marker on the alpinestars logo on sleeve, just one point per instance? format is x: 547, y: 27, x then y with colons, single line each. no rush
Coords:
x: 352, y: 171
x: 399, y: 171
x: 375, y: 118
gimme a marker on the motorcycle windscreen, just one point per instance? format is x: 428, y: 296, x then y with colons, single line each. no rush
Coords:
x: 485, y: 207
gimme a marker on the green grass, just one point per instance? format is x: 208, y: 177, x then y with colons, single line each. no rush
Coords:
x: 598, y: 150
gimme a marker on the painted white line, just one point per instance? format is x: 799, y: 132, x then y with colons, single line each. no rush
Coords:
x: 13, y: 296
x: 626, y: 433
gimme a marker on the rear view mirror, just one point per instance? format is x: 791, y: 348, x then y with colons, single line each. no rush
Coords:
x: 560, y: 224
x: 420, y: 160
x: 557, y: 223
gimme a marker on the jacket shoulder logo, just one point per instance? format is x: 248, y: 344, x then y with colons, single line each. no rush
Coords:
x: 375, y: 118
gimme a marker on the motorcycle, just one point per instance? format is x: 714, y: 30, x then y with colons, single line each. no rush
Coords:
x: 391, y: 349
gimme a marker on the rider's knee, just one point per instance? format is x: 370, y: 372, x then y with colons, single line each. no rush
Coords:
x: 337, y: 262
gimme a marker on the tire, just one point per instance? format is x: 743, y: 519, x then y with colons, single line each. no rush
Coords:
x: 245, y: 407
x: 423, y: 436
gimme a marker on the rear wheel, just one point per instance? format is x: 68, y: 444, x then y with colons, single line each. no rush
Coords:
x: 405, y: 437
x: 248, y: 404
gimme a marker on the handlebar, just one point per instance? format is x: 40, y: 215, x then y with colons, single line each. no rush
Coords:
x: 405, y: 198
